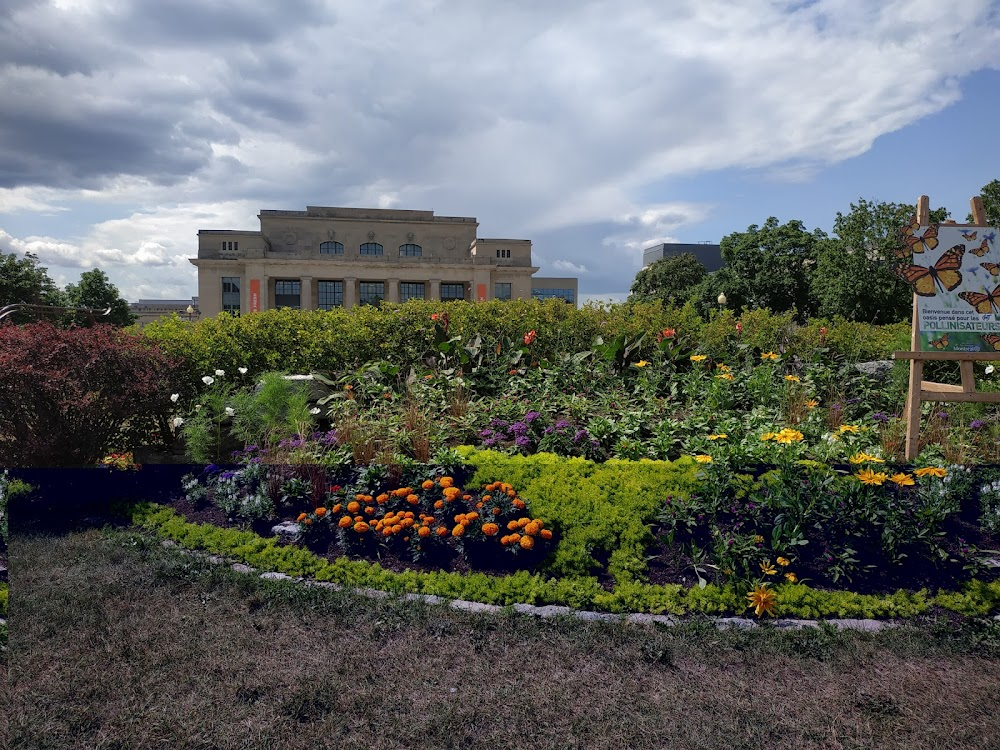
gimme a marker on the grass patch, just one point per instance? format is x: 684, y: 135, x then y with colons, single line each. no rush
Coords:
x: 142, y: 647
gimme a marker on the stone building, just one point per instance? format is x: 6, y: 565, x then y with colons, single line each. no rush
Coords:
x: 327, y: 257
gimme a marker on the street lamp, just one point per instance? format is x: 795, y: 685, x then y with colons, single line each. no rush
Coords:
x: 721, y: 299
x: 190, y: 313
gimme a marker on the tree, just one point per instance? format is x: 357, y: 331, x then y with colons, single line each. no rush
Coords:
x: 853, y: 275
x: 768, y: 266
x: 669, y: 279
x: 990, y: 193
x: 96, y: 291
x: 24, y: 280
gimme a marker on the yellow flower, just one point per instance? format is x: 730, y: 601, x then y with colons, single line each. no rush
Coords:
x: 641, y: 363
x: 762, y: 599
x: 720, y: 436
x: 931, y: 471
x: 769, y: 436
x: 722, y: 367
x: 783, y: 562
x: 703, y: 458
x: 862, y: 457
x: 788, y: 435
x: 869, y: 476
x: 903, y: 480
x: 767, y: 569
x: 793, y: 378
x: 769, y: 355
x: 725, y: 376
x: 848, y: 428
x: 699, y: 357
x: 758, y: 539
x: 791, y: 577
x: 812, y: 403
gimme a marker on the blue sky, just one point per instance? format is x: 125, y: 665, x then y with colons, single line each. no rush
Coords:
x: 592, y: 128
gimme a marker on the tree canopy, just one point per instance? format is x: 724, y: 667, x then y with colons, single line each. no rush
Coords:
x: 990, y: 193
x: 669, y: 279
x: 25, y: 280
x: 96, y: 291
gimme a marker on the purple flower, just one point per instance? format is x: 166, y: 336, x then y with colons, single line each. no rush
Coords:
x: 211, y: 469
x: 498, y: 423
x: 942, y: 415
x: 522, y: 441
x: 853, y: 401
x: 519, y: 428
x: 976, y: 424
x: 881, y: 417
x: 580, y: 435
x: 531, y: 416
x: 227, y: 475
x: 489, y: 442
x: 837, y: 407
x: 485, y: 433
x: 549, y: 430
x: 562, y: 424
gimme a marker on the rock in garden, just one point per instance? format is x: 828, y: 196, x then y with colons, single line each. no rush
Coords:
x: 287, y: 531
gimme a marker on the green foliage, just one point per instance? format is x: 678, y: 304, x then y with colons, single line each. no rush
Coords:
x: 272, y: 411
x: 669, y: 279
x: 24, y: 280
x: 4, y: 599
x: 9, y: 489
x: 96, y: 291
x: 990, y: 193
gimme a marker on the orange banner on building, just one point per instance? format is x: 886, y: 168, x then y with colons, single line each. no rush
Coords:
x: 481, y: 292
x: 254, y: 295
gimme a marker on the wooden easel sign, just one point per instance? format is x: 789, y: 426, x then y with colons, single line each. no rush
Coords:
x: 954, y: 271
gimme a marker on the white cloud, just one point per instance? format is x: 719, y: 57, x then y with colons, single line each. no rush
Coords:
x: 569, y: 267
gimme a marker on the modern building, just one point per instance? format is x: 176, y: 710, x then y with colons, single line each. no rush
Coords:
x: 708, y: 254
x: 326, y: 257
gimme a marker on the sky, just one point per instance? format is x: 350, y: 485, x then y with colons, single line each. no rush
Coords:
x: 594, y: 129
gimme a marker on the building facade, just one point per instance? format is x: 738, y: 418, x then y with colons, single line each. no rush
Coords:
x: 326, y: 257
x: 148, y: 310
x: 708, y: 254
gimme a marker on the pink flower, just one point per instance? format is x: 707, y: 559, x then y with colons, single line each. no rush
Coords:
x: 529, y: 337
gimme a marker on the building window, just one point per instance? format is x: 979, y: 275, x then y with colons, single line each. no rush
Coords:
x: 568, y: 295
x: 451, y: 292
x: 371, y: 248
x: 371, y: 292
x: 410, y: 250
x: 411, y: 290
x: 331, y: 248
x: 230, y: 246
x: 288, y: 293
x: 231, y: 294
x: 330, y: 294
x: 501, y: 290
x: 503, y: 253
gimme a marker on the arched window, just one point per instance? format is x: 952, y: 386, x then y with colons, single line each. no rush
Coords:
x: 411, y: 250
x: 331, y: 248
x: 372, y: 248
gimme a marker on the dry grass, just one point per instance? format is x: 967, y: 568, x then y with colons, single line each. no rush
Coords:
x: 116, y: 643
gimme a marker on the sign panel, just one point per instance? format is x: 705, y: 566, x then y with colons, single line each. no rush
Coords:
x: 481, y: 292
x: 954, y: 272
x: 254, y: 295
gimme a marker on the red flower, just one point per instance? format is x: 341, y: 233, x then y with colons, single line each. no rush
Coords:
x: 739, y: 328
x: 822, y: 334
x: 434, y: 316
x: 666, y: 333
x: 529, y: 337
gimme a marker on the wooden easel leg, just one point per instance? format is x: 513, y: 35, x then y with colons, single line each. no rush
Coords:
x: 913, y: 410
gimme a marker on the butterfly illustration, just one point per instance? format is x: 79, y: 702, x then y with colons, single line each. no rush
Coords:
x: 968, y: 236
x: 993, y: 268
x: 993, y: 340
x: 983, y: 302
x: 927, y: 241
x: 944, y: 274
x: 941, y: 343
x: 982, y: 249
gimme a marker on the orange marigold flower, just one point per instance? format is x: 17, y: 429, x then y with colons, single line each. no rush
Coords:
x: 353, y: 507
x: 361, y: 527
x: 487, y: 498
x: 479, y: 504
x: 442, y: 531
x: 505, y: 540
x: 301, y: 518
x: 336, y: 508
x: 439, y: 504
x: 345, y: 521
x: 519, y: 504
x: 532, y: 529
x: 396, y: 528
x: 320, y: 512
x: 496, y: 511
x: 424, y: 531
x: 381, y: 499
x: 545, y: 534
x: 512, y: 525
x: 447, y: 481
x: 359, y: 519
x: 514, y: 538
x: 427, y: 484
x: 527, y: 542
x: 490, y: 529
x: 308, y: 522
x: 472, y: 515
x: 458, y: 530
x: 369, y: 510
x: 466, y: 497
x: 452, y: 492
x: 412, y: 499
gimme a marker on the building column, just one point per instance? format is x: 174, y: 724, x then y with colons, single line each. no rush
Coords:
x: 435, y: 289
x: 306, y: 296
x: 265, y: 293
x: 350, y: 293
x: 392, y: 290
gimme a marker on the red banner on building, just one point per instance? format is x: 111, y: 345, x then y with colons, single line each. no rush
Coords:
x: 254, y: 295
x: 481, y: 292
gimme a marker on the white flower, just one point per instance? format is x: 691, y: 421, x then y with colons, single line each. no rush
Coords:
x: 989, y: 369
x: 230, y: 411
x: 208, y: 380
x: 314, y: 410
x: 174, y: 397
x: 177, y: 422
x: 220, y: 373
x: 243, y: 370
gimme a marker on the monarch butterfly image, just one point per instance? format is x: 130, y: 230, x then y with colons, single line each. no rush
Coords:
x: 984, y: 303
x: 941, y: 343
x: 969, y: 236
x: 981, y: 250
x: 993, y: 268
x: 927, y: 241
x: 993, y: 340
x: 944, y: 274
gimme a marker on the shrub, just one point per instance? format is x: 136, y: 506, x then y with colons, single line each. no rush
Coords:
x: 67, y: 395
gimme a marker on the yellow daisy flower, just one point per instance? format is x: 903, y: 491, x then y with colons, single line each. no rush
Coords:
x: 869, y: 476
x: 848, y: 428
x: 931, y: 471
x: 699, y: 357
x: 793, y: 378
x: 784, y: 562
x: 762, y: 599
x: 703, y: 458
x: 767, y: 569
x: 769, y: 356
x: 902, y: 479
x: 720, y: 436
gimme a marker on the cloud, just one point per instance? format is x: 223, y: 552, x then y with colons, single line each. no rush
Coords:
x: 559, y: 115
x: 569, y: 267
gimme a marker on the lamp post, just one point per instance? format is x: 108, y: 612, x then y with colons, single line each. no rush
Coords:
x: 190, y: 313
x: 721, y: 299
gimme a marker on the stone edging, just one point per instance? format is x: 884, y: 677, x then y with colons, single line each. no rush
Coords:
x: 550, y: 610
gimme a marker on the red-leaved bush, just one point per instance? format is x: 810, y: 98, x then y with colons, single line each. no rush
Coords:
x: 67, y: 396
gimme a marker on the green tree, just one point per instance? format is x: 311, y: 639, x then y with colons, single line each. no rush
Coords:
x: 669, y: 279
x: 96, y: 291
x: 24, y: 280
x: 853, y: 276
x: 768, y: 266
x: 990, y: 193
